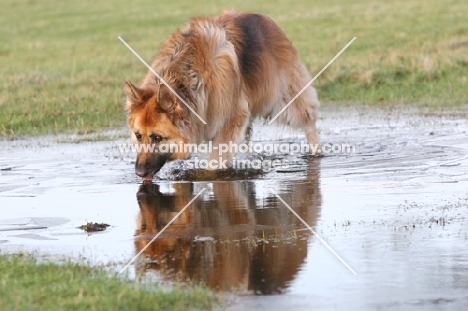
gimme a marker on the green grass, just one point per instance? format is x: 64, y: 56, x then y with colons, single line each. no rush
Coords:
x: 26, y: 284
x: 62, y: 67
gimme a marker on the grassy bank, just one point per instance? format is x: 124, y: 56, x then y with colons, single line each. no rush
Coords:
x: 26, y: 284
x: 62, y: 67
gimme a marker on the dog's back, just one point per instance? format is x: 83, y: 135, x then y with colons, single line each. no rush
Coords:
x: 268, y: 61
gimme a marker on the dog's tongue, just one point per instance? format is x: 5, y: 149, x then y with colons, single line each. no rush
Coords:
x: 147, y: 180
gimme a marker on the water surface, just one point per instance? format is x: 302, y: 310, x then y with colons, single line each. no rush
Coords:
x: 396, y: 211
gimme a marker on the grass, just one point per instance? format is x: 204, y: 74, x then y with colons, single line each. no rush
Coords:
x: 62, y: 66
x: 26, y: 284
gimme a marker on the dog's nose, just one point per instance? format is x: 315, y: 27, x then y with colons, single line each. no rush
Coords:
x: 142, y: 172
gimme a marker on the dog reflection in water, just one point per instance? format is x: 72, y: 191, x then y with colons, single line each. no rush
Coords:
x: 229, y: 239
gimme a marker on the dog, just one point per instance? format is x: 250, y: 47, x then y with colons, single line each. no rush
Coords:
x: 223, y: 71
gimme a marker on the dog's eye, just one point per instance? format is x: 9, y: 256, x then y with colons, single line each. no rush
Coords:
x: 138, y: 136
x: 156, y: 138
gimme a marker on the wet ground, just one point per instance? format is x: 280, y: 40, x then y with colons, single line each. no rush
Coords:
x: 396, y: 211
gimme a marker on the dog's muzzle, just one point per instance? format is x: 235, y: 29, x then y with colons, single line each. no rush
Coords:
x: 151, y: 167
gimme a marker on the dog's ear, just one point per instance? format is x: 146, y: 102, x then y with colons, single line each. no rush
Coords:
x: 170, y: 105
x: 167, y: 100
x: 134, y: 95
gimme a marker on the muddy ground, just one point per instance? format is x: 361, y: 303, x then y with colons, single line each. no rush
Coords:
x: 395, y: 210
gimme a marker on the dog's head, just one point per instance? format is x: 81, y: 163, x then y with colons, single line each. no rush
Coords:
x: 156, y: 118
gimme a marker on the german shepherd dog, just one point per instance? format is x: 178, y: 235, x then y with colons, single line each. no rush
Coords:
x: 229, y: 69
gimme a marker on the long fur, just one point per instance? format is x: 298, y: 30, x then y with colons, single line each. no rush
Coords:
x: 230, y: 69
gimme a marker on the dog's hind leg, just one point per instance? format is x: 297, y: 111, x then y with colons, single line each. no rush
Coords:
x: 303, y: 114
x: 313, y: 138
x: 311, y: 105
x: 310, y: 127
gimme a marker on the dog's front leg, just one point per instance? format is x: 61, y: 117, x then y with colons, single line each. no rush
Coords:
x: 227, y: 142
x: 220, y: 157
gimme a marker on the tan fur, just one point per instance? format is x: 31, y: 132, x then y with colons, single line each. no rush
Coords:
x: 230, y: 69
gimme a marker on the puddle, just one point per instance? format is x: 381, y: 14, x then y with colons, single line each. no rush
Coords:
x: 396, y: 211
